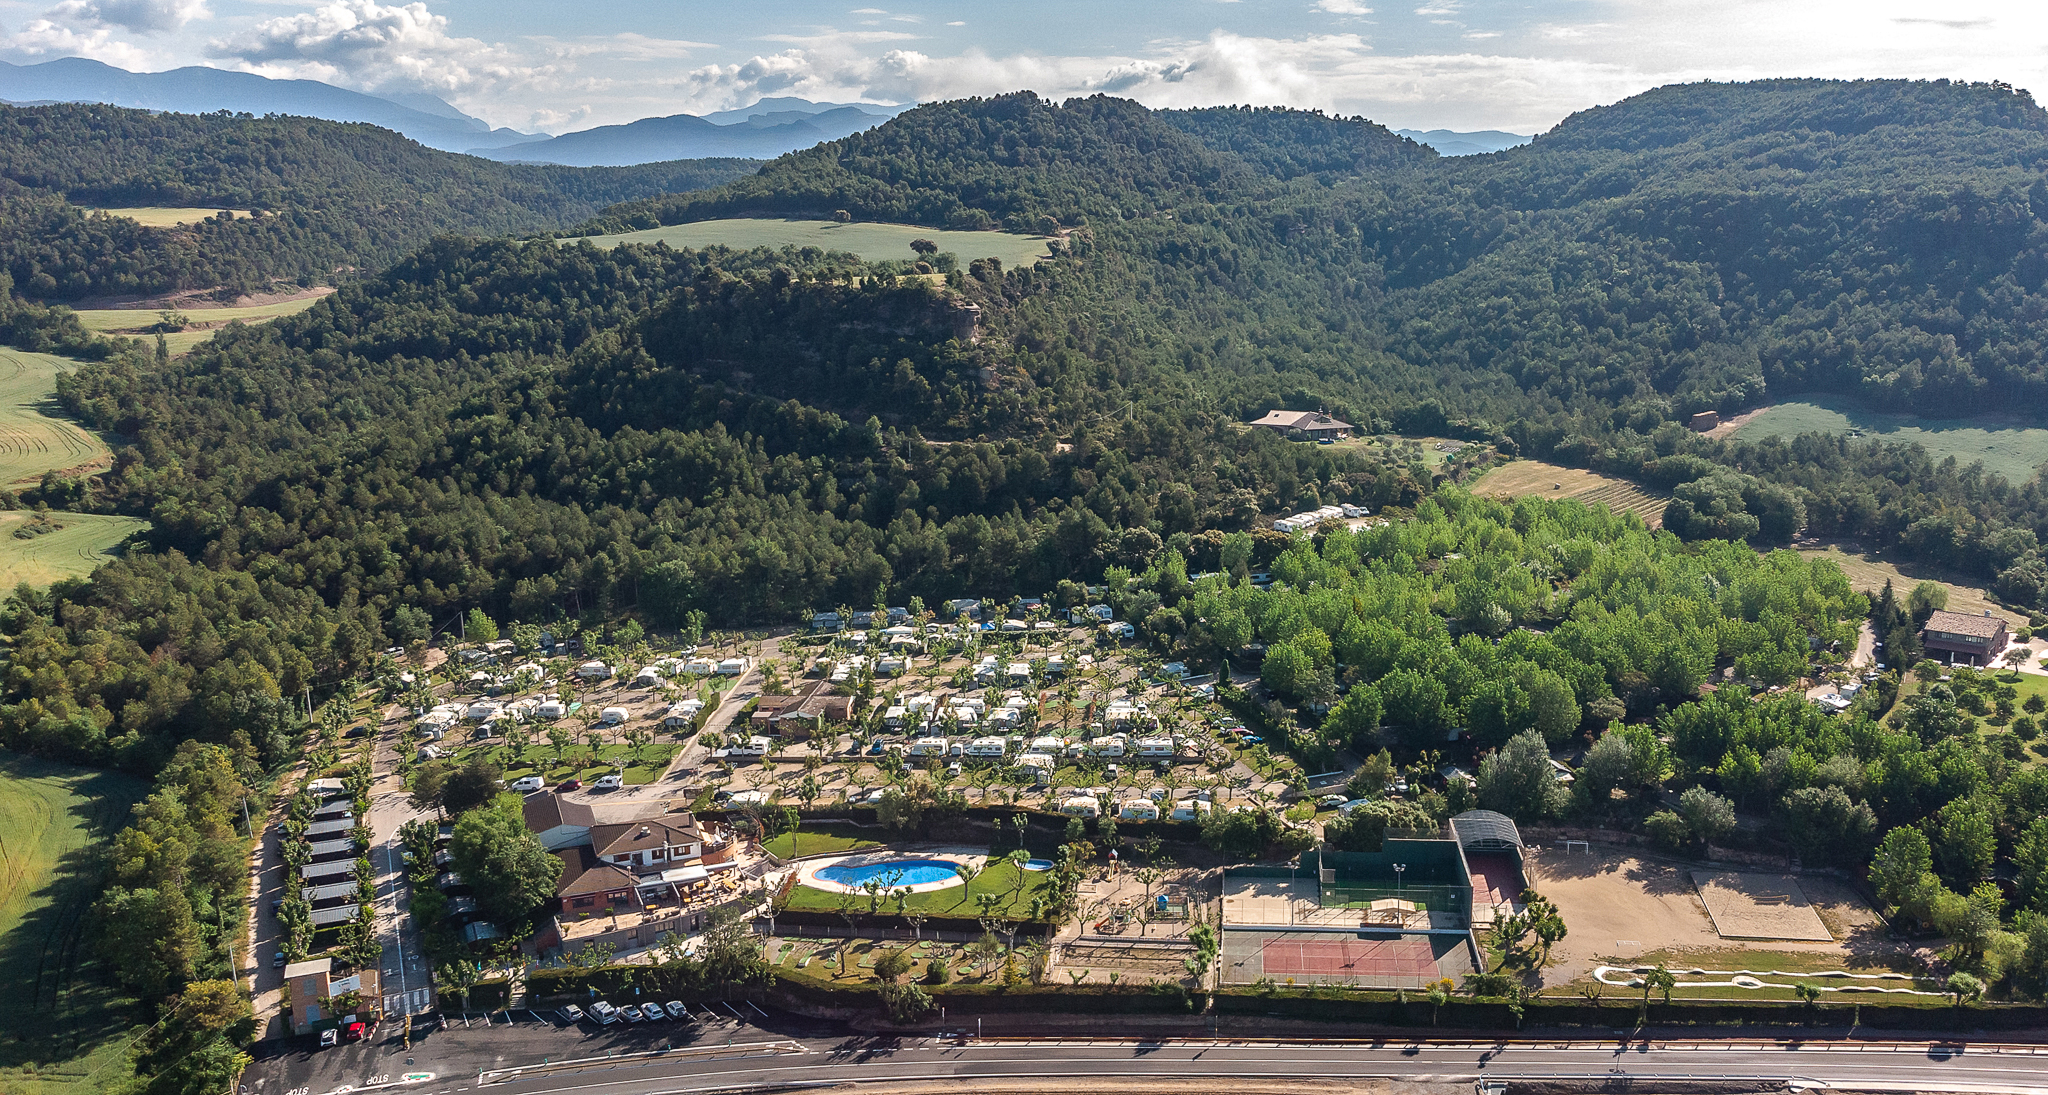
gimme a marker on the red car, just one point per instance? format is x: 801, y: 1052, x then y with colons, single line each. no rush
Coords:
x: 570, y: 785
x: 353, y: 1032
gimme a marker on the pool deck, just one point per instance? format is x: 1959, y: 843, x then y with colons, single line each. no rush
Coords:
x: 807, y: 874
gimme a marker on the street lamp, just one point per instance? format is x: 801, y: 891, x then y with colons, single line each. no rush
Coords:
x: 1398, y: 868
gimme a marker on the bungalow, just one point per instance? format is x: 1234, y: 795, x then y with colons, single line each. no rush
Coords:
x: 311, y: 989
x: 1313, y: 425
x: 334, y: 917
x: 593, y: 671
x: 802, y: 712
x: 1080, y: 806
x: 682, y: 715
x: 1138, y: 809
x: 1959, y: 638
x: 331, y: 828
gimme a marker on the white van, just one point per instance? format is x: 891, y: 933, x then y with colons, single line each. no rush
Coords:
x: 611, y: 782
x: 528, y: 784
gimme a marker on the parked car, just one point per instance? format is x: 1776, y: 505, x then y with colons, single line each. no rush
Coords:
x: 676, y: 1010
x: 1252, y: 739
x: 329, y: 1037
x: 611, y: 782
x: 572, y: 1015
x: 569, y: 785
x: 528, y: 784
x: 353, y: 1029
x: 277, y: 960
x: 653, y: 1012
x: 1332, y: 800
x: 604, y: 1012
x: 631, y: 1014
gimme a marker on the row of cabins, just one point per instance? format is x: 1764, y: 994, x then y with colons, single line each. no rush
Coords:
x: 327, y: 882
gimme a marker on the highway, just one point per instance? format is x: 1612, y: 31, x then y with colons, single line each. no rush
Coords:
x: 773, y: 1062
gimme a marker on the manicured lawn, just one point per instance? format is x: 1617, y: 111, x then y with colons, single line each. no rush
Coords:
x: 58, y: 1011
x: 1016, y: 885
x: 642, y: 765
x: 816, y: 842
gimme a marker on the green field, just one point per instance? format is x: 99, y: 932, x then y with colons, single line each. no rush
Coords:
x: 136, y: 322
x: 642, y: 765
x: 34, y: 438
x: 2014, y: 452
x: 872, y: 242
x: 167, y: 217
x: 81, y: 542
x: 59, y: 1021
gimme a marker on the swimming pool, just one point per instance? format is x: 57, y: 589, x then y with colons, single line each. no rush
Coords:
x: 1038, y: 864
x: 891, y: 872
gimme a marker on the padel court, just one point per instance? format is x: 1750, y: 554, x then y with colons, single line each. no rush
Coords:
x: 1363, y: 960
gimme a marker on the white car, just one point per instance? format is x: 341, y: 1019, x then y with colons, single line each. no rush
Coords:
x: 1332, y: 800
x: 528, y: 784
x: 604, y: 1013
x: 611, y: 782
x: 676, y: 1010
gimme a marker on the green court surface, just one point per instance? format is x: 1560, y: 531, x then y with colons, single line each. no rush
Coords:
x: 2010, y: 450
x: 872, y: 242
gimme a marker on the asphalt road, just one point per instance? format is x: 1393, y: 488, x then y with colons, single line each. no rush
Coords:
x: 780, y: 1050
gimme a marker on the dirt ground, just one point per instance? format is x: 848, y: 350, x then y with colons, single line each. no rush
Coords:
x: 1618, y: 904
x: 1760, y: 906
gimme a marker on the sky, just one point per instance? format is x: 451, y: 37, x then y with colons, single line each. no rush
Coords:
x: 1456, y: 64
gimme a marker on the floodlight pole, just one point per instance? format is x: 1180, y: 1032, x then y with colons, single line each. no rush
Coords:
x: 1398, y: 868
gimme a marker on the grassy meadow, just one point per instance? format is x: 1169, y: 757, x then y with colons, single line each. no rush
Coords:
x: 1868, y: 574
x: 2012, y: 451
x: 1524, y: 477
x: 34, y: 438
x: 61, y: 1028
x: 76, y: 545
x: 872, y: 242
x: 168, y: 216
x: 136, y: 322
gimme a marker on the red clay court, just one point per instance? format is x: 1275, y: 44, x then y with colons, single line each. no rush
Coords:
x: 1495, y: 878
x: 1398, y: 957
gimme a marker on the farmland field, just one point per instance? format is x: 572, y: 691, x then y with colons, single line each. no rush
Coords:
x: 80, y: 543
x: 1868, y: 574
x: 33, y: 439
x: 870, y: 241
x: 2012, y: 451
x: 58, y: 1021
x: 136, y: 322
x: 167, y: 217
x: 1526, y: 477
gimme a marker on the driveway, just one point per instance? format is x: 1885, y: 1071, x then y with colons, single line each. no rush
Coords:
x: 407, y: 982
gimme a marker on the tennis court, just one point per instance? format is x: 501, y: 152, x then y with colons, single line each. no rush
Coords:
x: 1364, y: 959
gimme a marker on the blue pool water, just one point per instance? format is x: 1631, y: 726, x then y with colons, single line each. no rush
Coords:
x: 906, y: 872
x: 1038, y: 864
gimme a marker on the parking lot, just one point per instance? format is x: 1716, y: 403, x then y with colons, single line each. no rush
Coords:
x: 471, y: 1044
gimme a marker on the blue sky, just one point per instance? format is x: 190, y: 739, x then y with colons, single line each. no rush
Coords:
x: 1462, y: 64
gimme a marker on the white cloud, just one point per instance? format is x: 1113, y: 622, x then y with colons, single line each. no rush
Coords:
x: 1343, y: 7
x: 362, y: 43
x: 43, y: 38
x: 140, y: 16
x: 627, y: 46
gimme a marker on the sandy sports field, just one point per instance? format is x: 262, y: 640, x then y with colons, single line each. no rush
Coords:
x: 1759, y: 906
x: 1619, y: 905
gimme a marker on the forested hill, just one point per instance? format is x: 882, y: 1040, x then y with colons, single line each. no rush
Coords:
x: 334, y: 197
x: 556, y: 429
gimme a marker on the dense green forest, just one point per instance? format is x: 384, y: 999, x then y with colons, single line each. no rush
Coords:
x: 540, y: 430
x: 332, y: 198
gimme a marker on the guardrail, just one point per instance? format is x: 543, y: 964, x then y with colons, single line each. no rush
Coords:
x: 738, y: 1051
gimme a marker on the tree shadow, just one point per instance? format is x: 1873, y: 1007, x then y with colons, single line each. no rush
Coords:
x: 58, y: 1005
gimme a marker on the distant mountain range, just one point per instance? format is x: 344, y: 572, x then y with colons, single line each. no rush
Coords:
x: 1450, y: 142
x: 763, y: 131
x: 423, y: 118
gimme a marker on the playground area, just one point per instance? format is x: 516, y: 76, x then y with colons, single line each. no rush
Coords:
x: 1361, y: 959
x: 1125, y: 916
x: 1621, y: 906
x: 1759, y: 906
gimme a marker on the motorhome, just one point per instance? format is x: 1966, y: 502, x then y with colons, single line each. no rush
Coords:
x: 929, y: 747
x: 985, y: 747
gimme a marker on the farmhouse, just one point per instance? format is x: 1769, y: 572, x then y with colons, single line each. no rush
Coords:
x: 1959, y: 638
x: 1313, y: 425
x: 624, y: 854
